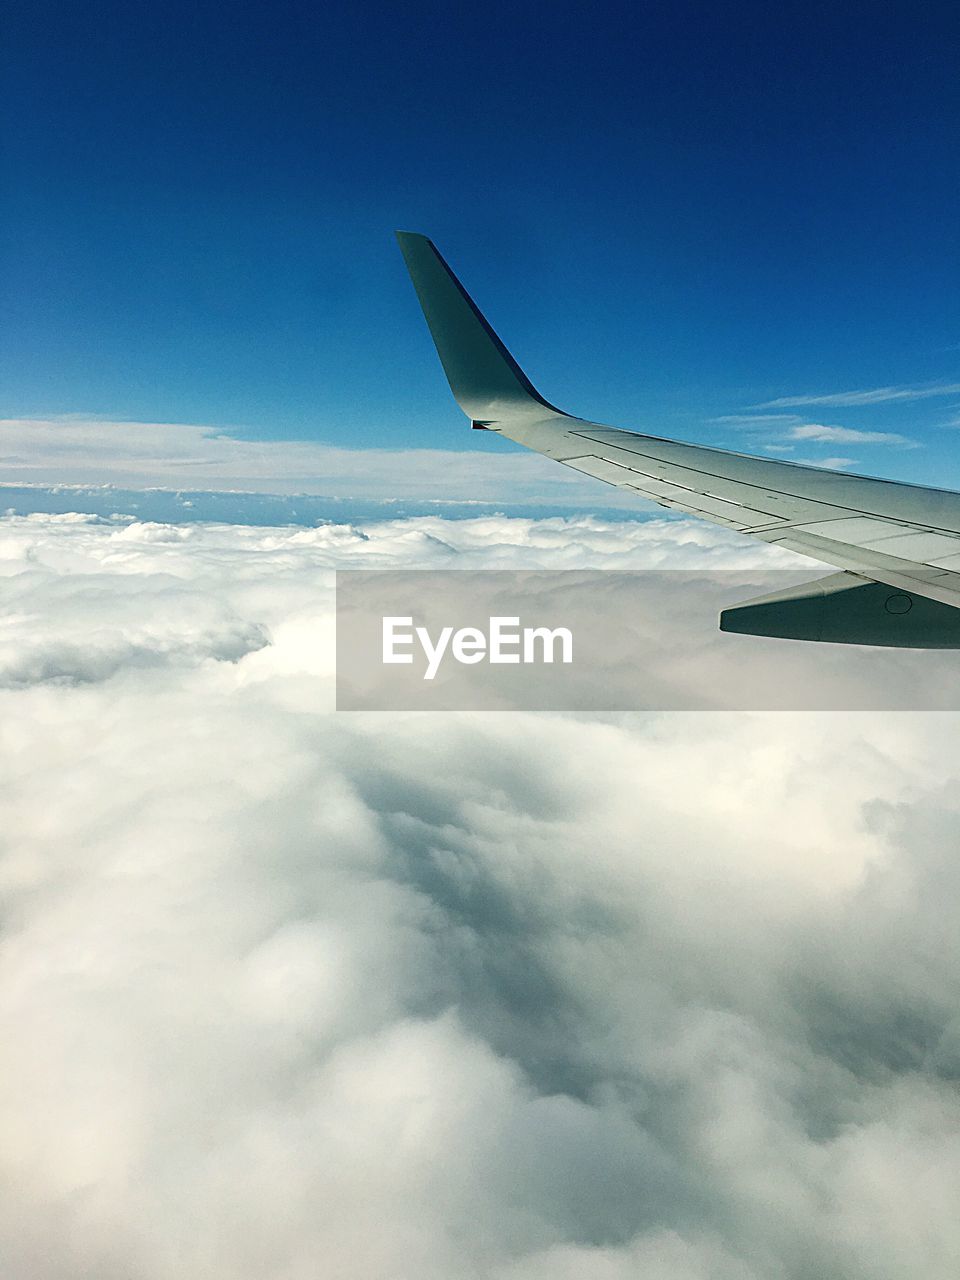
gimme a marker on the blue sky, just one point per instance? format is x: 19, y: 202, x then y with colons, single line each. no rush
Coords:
x: 672, y: 212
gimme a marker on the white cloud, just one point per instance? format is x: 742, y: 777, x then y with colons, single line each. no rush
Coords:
x: 791, y: 426
x: 286, y: 994
x: 831, y: 464
x: 136, y: 455
x: 876, y: 395
x: 846, y: 435
x: 755, y: 419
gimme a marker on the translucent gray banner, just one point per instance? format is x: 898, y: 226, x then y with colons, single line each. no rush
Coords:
x: 634, y: 641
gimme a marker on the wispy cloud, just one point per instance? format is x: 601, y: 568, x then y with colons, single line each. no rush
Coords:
x: 847, y: 435
x: 754, y: 419
x: 831, y: 464
x: 876, y: 395
x: 792, y: 426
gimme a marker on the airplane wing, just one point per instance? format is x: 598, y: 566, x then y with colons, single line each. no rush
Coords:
x: 898, y: 545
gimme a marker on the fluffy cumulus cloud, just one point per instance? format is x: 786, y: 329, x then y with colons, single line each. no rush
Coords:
x: 288, y: 993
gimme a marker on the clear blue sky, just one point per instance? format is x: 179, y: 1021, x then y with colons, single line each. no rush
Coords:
x: 671, y: 212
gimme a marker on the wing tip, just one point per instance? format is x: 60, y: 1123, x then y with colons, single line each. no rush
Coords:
x: 414, y: 235
x: 486, y: 381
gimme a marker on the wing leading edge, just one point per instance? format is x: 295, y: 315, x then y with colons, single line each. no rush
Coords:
x: 883, y: 531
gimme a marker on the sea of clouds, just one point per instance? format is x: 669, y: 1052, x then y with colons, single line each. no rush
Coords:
x: 287, y: 993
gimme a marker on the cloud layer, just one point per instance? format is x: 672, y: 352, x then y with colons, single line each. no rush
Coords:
x: 287, y: 994
x: 137, y: 455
